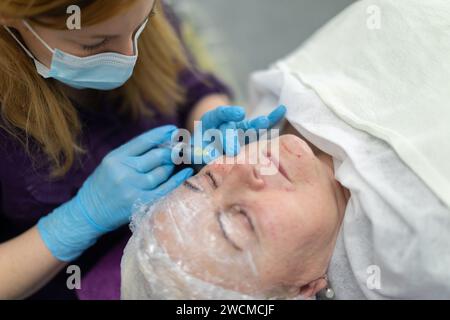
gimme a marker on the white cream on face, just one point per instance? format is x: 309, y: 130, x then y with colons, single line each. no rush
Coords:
x: 165, y: 277
x: 169, y: 260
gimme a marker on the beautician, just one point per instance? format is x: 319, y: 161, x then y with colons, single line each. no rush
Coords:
x: 82, y: 114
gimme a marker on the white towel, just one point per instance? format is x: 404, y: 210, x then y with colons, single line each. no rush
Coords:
x: 393, y: 224
x: 392, y: 82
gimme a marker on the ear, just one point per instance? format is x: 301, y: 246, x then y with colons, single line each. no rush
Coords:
x: 311, y: 289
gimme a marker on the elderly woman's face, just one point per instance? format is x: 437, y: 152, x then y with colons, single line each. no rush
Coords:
x: 252, y: 232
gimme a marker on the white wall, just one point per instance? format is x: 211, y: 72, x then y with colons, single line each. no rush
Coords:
x: 248, y: 35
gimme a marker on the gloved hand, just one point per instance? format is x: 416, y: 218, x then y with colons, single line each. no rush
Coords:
x: 232, y: 117
x: 136, y: 171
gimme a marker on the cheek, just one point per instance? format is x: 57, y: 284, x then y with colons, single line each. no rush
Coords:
x: 307, y: 174
x: 39, y: 51
x: 279, y: 216
x: 283, y: 220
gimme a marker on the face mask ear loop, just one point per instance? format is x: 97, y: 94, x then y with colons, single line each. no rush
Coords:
x: 137, y: 35
x: 28, y: 52
x: 38, y: 36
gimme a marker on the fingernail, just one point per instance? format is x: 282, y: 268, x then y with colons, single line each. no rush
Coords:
x: 172, y: 134
x: 241, y: 111
x: 210, y: 156
x: 238, y: 110
x: 260, y: 123
x: 283, y: 108
x: 189, y: 172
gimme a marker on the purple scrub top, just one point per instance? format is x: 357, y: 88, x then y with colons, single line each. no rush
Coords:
x: 26, y: 193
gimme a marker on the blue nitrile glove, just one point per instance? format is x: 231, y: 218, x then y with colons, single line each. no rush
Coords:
x: 138, y: 171
x: 233, y: 117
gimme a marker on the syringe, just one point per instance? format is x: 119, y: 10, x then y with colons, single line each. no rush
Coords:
x: 193, y: 152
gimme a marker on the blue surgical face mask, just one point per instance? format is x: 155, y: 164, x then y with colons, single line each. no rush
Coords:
x: 104, y: 71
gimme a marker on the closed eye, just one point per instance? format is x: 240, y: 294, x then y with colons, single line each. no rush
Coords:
x: 94, y: 47
x: 192, y: 187
x: 225, y: 234
x: 107, y: 39
x: 213, y: 179
x: 249, y: 220
x: 233, y: 223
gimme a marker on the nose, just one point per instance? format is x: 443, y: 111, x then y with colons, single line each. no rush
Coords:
x: 247, y: 175
x: 126, y: 46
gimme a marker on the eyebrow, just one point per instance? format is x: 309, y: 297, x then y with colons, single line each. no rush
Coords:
x: 213, y: 179
x: 192, y: 187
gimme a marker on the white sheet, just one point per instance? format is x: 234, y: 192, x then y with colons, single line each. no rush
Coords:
x: 393, y: 220
x: 392, y: 82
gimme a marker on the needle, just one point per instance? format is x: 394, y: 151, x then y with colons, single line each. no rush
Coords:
x: 194, y: 151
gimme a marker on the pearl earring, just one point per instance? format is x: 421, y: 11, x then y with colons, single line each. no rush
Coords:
x: 327, y: 293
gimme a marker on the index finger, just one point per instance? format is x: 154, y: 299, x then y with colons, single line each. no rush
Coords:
x: 213, y: 119
x: 276, y: 116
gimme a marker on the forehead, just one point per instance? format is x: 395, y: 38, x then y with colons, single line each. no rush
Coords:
x: 125, y: 22
x: 136, y: 13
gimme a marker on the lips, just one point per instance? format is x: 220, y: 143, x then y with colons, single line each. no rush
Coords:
x: 277, y: 163
x: 283, y: 171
